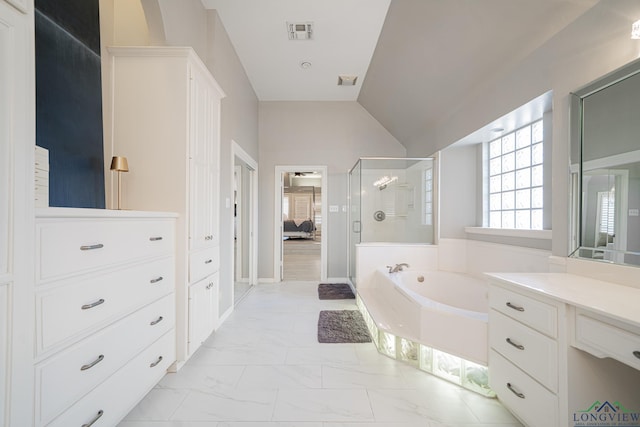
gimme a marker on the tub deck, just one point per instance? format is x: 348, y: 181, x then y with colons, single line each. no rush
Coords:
x: 388, y: 320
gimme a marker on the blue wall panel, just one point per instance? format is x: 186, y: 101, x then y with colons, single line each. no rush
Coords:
x: 69, y: 101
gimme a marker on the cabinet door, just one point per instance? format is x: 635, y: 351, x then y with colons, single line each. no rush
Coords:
x: 203, y: 310
x: 202, y: 233
x: 4, y: 324
x: 17, y: 136
x: 7, y: 58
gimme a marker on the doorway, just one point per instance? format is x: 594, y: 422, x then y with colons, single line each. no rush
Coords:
x: 245, y: 182
x: 300, y: 240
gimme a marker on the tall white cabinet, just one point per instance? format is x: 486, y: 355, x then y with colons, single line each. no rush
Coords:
x: 166, y: 121
x: 17, y: 138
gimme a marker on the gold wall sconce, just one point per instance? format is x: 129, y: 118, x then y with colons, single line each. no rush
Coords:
x: 119, y: 164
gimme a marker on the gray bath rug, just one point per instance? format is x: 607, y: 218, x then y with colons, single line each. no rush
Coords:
x: 335, y: 291
x: 342, y: 326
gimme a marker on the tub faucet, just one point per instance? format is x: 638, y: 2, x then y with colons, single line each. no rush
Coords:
x: 397, y: 268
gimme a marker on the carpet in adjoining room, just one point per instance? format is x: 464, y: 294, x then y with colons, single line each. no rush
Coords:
x: 342, y: 326
x: 335, y: 291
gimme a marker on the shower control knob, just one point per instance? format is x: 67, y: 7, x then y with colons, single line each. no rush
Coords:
x: 379, y: 216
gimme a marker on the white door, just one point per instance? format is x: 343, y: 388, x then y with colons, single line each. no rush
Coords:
x: 303, y: 205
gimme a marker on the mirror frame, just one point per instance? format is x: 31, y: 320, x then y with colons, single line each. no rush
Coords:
x: 576, y: 122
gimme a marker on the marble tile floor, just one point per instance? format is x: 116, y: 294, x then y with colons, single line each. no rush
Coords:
x: 265, y: 368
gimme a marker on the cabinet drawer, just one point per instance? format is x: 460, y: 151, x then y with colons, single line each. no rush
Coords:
x: 115, y: 397
x: 83, y: 304
x: 528, y: 400
x: 79, y: 246
x: 64, y: 378
x: 203, y: 263
x: 41, y: 176
x: 603, y: 339
x: 536, y: 314
x: 531, y: 351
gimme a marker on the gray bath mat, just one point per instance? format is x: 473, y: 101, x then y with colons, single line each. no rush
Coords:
x: 342, y: 326
x: 335, y: 291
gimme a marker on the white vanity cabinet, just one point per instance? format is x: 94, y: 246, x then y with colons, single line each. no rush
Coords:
x: 523, y: 356
x: 563, y: 345
x: 105, y: 312
x: 166, y: 121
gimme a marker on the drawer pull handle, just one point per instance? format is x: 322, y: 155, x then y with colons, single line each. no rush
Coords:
x: 96, y: 418
x: 209, y: 261
x: 154, y: 364
x: 518, y: 346
x: 93, y: 304
x: 637, y: 354
x: 156, y: 280
x: 514, y: 391
x: 155, y: 322
x: 92, y: 364
x: 155, y: 239
x: 515, y: 307
x: 210, y: 285
x: 91, y: 247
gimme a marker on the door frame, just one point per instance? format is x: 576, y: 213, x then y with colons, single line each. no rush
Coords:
x: 238, y: 151
x: 278, y: 227
x: 238, y: 222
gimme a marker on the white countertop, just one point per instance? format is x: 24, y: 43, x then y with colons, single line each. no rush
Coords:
x: 53, y: 212
x: 605, y: 298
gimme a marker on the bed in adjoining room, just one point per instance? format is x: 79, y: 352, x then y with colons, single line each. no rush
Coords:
x: 299, y: 228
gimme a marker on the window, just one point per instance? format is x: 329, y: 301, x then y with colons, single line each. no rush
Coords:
x: 427, y: 216
x: 606, y: 212
x: 515, y: 179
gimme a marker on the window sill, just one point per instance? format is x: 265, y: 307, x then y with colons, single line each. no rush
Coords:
x: 509, y: 232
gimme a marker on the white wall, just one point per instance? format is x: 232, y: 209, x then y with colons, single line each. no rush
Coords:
x: 595, y: 44
x: 334, y: 134
x: 458, y: 190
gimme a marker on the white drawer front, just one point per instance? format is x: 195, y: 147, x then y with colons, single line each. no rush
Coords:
x: 533, y: 404
x: 203, y: 263
x: 115, y: 397
x: 605, y: 340
x: 531, y: 351
x: 79, y: 246
x: 536, y: 314
x: 85, y: 303
x: 64, y: 378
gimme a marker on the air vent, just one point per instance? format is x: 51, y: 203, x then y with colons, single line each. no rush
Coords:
x: 344, y: 80
x: 300, y: 30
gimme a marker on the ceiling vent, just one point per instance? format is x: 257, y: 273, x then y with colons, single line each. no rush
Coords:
x: 300, y: 30
x: 344, y: 80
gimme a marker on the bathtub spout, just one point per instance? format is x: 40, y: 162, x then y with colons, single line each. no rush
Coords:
x: 397, y: 268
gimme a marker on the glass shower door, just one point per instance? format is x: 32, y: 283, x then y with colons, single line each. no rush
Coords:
x: 355, y: 223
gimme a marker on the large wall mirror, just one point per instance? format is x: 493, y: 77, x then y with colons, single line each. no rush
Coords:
x: 605, y: 168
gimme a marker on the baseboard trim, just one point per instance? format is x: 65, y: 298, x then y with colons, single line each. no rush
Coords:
x: 338, y: 280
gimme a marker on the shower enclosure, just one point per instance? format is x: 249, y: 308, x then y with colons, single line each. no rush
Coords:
x: 391, y: 200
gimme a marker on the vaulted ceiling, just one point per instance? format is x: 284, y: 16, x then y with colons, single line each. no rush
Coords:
x: 415, y: 59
